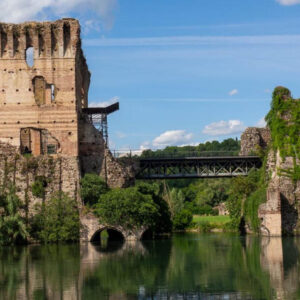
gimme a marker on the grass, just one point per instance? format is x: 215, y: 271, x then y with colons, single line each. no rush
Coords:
x: 209, y: 223
x: 211, y: 219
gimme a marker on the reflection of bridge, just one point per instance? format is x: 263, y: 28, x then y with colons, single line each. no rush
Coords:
x: 196, y: 167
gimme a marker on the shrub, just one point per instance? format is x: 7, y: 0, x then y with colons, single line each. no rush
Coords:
x: 38, y: 187
x: 182, y: 219
x: 57, y: 220
x: 204, y: 226
x: 12, y: 224
x: 92, y: 187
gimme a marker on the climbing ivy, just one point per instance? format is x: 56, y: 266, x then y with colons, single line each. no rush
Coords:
x: 283, y: 120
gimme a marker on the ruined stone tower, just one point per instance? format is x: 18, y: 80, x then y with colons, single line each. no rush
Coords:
x: 41, y: 110
x: 40, y: 104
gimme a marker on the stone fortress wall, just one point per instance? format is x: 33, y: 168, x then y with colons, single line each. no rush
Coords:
x: 280, y: 213
x: 43, y: 131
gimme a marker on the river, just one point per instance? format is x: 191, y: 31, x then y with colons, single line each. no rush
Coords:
x: 185, y: 266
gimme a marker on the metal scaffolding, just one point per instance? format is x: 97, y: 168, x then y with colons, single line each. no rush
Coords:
x: 98, y: 116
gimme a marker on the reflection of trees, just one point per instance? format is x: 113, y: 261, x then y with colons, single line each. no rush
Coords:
x: 38, y: 272
x: 217, y: 263
x: 197, y: 264
x: 12, y: 261
x: 123, y: 273
x: 189, y: 264
x: 58, y: 266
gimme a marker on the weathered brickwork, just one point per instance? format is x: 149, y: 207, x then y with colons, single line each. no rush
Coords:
x: 43, y: 130
x: 41, y: 105
x: 60, y: 173
x: 48, y: 95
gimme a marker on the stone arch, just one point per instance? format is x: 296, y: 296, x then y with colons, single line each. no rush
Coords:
x: 114, y: 234
x: 90, y: 226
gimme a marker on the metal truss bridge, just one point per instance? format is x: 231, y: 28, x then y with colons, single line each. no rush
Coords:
x: 197, y: 167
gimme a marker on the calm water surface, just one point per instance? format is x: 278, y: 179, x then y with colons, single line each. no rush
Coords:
x: 187, y: 266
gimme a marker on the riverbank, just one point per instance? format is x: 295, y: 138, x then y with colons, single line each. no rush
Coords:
x: 209, y: 224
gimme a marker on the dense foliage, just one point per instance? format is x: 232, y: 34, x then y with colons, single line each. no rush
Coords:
x: 284, y: 123
x: 13, y: 227
x: 92, y: 187
x: 56, y: 220
x: 128, y: 208
x: 245, y: 196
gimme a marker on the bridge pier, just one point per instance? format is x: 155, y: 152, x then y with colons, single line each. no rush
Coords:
x: 270, y: 214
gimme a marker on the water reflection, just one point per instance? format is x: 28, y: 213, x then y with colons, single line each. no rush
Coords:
x: 189, y: 266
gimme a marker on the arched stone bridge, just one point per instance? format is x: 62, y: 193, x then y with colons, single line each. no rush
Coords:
x: 91, y: 229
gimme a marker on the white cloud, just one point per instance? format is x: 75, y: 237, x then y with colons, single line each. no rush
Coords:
x: 104, y: 103
x: 288, y: 2
x: 172, y: 138
x: 224, y: 128
x: 233, y: 92
x: 25, y: 10
x: 261, y: 123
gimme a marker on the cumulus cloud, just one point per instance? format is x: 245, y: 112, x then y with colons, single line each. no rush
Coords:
x: 288, y: 2
x: 261, y: 123
x: 224, y: 128
x: 104, y: 103
x: 172, y: 138
x: 25, y: 10
x: 233, y: 92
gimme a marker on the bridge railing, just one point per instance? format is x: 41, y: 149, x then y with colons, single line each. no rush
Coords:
x: 144, y: 154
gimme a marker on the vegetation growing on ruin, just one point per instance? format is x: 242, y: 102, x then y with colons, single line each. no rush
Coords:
x: 284, y: 123
x: 92, y: 187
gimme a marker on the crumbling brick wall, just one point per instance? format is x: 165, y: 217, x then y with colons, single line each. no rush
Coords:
x: 96, y: 158
x: 41, y: 104
x: 61, y: 173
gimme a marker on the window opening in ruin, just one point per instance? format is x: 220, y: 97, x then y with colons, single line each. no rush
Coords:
x: 29, y: 57
x: 39, y: 85
x: 52, y: 92
x: 3, y: 42
x: 51, y: 149
x: 67, y: 37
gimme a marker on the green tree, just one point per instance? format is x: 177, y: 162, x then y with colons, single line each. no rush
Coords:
x: 182, y: 219
x: 92, y: 187
x: 57, y: 220
x: 12, y: 224
x: 128, y: 208
x: 163, y: 224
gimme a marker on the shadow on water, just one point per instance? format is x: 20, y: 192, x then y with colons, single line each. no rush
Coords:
x: 108, y: 240
x: 186, y: 266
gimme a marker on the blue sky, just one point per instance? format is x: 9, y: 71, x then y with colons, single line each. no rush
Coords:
x: 184, y: 71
